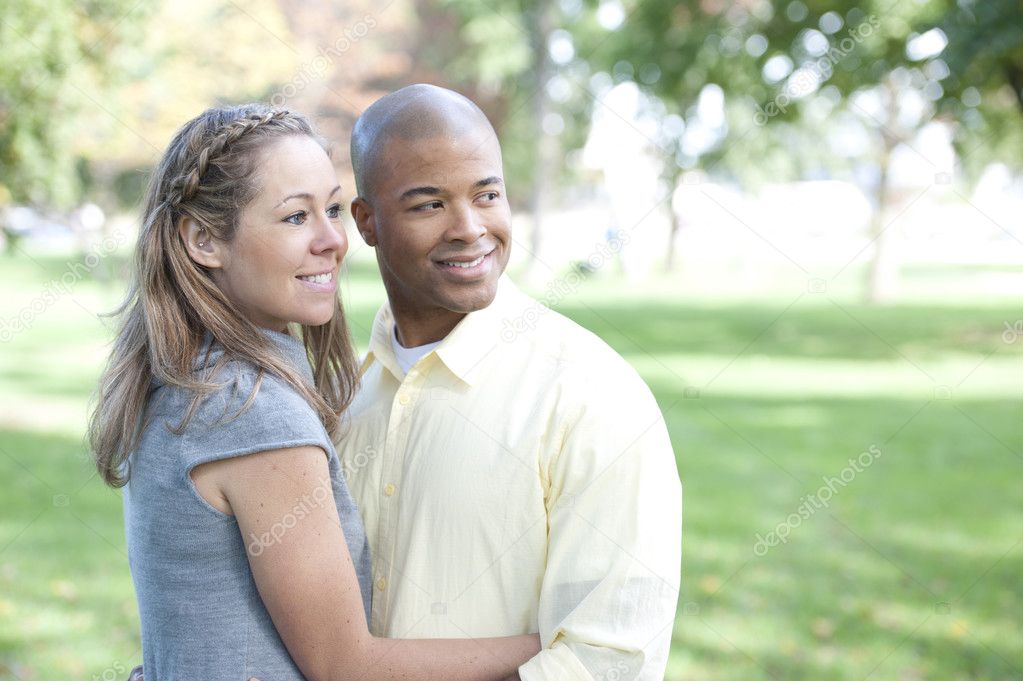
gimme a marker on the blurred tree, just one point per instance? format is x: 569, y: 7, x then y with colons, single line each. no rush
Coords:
x: 983, y: 95
x: 350, y: 54
x: 59, y: 58
x: 84, y: 98
x: 245, y: 54
x: 498, y: 53
x: 788, y: 69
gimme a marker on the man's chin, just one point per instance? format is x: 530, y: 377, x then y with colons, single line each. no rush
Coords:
x: 472, y: 299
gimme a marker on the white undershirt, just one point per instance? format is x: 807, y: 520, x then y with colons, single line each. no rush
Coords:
x: 407, y: 357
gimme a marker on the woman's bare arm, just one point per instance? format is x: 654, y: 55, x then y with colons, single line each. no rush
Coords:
x: 285, y: 509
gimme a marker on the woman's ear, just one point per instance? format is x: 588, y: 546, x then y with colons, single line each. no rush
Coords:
x: 362, y: 212
x: 201, y: 246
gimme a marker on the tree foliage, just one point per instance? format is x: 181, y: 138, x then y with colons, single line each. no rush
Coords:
x: 59, y: 57
x: 89, y: 89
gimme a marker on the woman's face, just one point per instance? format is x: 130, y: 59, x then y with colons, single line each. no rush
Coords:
x: 282, y: 264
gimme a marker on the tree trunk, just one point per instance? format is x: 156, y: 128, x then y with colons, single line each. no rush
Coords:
x: 676, y: 225
x: 541, y: 25
x: 882, y: 275
x: 674, y: 219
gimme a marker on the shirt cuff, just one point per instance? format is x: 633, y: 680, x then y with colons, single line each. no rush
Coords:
x: 556, y: 663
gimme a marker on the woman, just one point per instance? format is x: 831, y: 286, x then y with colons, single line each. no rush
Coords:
x: 247, y: 552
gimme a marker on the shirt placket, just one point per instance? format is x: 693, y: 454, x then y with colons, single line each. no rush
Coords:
x: 389, y: 491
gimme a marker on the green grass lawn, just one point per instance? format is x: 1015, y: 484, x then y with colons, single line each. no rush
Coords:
x: 911, y: 571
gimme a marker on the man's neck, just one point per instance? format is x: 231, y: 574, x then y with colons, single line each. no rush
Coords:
x: 417, y: 328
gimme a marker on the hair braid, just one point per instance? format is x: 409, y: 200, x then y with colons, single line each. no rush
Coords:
x: 185, y: 187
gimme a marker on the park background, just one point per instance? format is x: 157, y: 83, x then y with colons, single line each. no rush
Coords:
x: 799, y: 220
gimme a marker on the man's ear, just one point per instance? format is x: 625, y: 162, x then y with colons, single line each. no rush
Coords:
x: 201, y: 246
x: 362, y: 212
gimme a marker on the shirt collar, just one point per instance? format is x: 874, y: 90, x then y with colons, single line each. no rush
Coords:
x: 380, y: 349
x: 466, y: 349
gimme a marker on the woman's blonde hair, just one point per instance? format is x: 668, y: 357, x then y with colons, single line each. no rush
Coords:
x: 209, y: 174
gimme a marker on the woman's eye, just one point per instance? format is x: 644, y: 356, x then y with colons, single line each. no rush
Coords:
x: 334, y: 212
x: 296, y: 218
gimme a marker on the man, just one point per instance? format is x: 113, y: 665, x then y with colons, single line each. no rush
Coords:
x: 513, y: 472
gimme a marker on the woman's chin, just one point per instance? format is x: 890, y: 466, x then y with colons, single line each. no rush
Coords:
x: 315, y: 319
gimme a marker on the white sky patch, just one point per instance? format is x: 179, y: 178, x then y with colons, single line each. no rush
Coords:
x: 926, y: 45
x: 710, y: 107
x: 830, y: 22
x: 756, y: 45
x: 815, y: 42
x: 776, y: 68
x: 561, y: 48
x: 610, y: 14
x: 804, y: 81
x: 559, y: 89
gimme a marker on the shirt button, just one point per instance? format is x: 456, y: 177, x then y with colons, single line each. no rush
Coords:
x: 403, y: 399
x: 389, y: 489
x: 381, y: 583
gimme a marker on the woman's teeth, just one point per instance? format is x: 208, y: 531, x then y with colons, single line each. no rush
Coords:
x: 466, y: 265
x: 319, y: 278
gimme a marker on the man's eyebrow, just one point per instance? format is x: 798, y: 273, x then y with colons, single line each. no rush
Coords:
x: 487, y: 181
x: 434, y: 191
x: 420, y: 191
x: 306, y: 195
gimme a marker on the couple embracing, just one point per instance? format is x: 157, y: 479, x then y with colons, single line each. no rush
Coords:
x: 459, y: 504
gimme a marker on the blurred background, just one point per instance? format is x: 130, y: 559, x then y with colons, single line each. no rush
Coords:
x: 799, y: 220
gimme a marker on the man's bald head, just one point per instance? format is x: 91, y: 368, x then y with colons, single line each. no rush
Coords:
x: 411, y: 113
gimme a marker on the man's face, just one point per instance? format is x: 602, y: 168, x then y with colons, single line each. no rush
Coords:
x: 440, y: 221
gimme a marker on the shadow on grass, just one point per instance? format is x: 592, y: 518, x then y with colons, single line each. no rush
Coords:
x: 66, y: 599
x: 823, y: 330
x: 931, y: 531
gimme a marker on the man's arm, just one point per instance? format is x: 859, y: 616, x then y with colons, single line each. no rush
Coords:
x: 610, y: 590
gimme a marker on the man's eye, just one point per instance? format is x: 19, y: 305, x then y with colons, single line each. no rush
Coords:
x: 432, y: 205
x: 490, y: 196
x: 296, y: 218
x: 334, y: 212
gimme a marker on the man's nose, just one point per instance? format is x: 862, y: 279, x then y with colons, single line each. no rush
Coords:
x: 466, y: 225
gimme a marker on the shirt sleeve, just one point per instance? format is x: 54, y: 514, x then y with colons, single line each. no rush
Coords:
x: 610, y: 589
x: 234, y: 421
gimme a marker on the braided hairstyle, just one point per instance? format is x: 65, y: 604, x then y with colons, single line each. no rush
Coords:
x: 208, y: 173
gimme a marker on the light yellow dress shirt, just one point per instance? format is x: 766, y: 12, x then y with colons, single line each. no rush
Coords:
x: 519, y: 478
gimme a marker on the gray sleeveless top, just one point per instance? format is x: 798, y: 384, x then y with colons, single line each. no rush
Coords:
x: 201, y: 615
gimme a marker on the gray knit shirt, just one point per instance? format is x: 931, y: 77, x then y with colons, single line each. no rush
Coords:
x: 202, y: 617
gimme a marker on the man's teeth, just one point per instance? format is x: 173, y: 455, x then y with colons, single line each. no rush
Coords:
x: 466, y: 265
x: 319, y: 278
